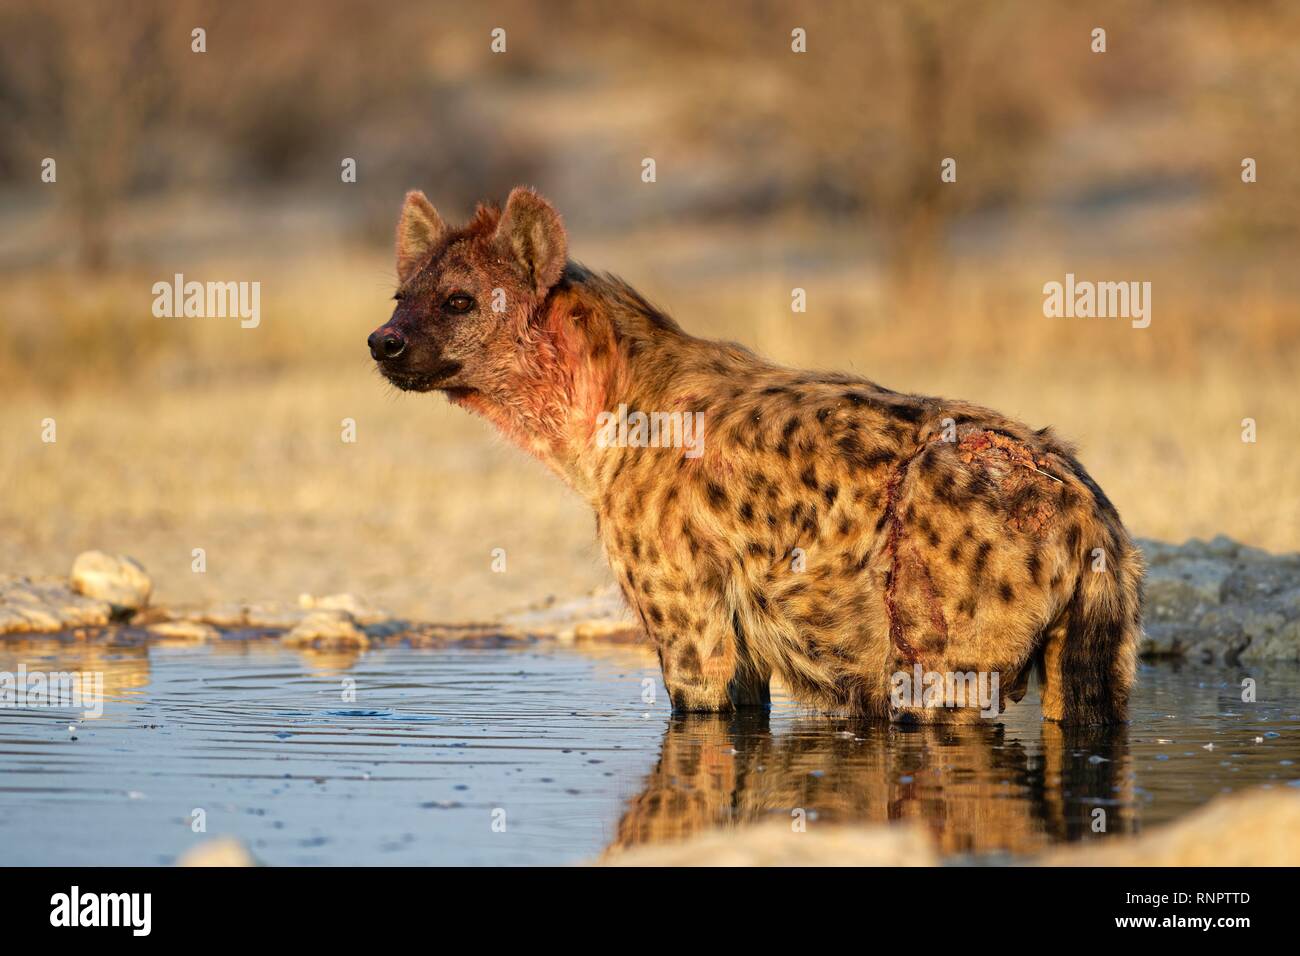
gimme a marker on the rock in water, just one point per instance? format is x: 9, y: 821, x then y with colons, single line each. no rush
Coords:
x: 331, y: 628
x: 361, y: 612
x: 117, y: 579
x: 46, y: 605
x: 1251, y: 828
x: 219, y: 851
x: 776, y: 844
x: 193, y: 631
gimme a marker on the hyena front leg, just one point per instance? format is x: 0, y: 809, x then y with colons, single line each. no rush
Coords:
x: 705, y: 669
x: 1052, y: 677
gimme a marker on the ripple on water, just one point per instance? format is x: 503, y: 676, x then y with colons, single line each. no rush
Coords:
x: 544, y: 755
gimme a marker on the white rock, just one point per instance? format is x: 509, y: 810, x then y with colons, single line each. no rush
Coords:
x: 361, y: 613
x: 184, y: 630
x: 219, y: 851
x: 117, y: 579
x: 334, y: 627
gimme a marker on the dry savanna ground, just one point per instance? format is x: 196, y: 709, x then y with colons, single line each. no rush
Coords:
x: 176, y: 434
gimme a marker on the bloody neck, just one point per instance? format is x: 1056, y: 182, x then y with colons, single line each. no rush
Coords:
x: 574, y: 360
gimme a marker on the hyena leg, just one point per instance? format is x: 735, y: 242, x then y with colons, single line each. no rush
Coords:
x: 1052, y: 680
x: 1088, y: 661
x: 704, y: 671
x: 750, y: 687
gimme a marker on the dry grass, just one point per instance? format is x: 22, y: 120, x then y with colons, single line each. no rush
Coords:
x: 189, y: 433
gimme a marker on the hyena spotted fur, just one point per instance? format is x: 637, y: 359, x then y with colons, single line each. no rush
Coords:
x: 928, y: 532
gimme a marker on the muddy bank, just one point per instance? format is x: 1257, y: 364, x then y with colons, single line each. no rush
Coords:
x: 1209, y: 602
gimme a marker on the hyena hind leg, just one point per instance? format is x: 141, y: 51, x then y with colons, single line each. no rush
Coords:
x: 1086, y: 663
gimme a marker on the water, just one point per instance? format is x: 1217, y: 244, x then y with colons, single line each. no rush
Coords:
x: 543, y: 754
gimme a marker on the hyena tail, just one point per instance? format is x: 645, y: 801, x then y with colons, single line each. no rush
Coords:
x: 1091, y: 656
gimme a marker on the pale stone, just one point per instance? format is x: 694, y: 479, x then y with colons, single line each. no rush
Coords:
x: 219, y: 851
x: 117, y: 579
x: 184, y: 630
x: 360, y: 611
x: 1253, y: 828
x: 327, y: 628
x: 777, y: 844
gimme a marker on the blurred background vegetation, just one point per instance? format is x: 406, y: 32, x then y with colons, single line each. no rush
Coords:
x: 774, y: 170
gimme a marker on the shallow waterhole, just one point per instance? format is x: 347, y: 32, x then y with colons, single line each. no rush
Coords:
x: 550, y: 754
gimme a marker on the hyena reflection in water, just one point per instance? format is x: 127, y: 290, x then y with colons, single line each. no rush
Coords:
x: 932, y: 532
x: 974, y: 786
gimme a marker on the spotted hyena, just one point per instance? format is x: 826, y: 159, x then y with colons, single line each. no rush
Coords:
x: 840, y: 535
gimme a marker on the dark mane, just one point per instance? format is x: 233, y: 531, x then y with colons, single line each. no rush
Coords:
x: 627, y: 307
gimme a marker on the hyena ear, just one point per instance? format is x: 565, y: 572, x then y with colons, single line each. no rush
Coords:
x: 531, y: 233
x: 418, y: 230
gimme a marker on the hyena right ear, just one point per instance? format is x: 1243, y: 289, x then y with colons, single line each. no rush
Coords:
x: 418, y: 231
x: 531, y: 233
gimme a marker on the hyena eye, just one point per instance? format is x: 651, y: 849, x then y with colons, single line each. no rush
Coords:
x: 460, y: 302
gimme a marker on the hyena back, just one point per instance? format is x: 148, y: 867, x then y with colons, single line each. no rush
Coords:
x: 833, y: 532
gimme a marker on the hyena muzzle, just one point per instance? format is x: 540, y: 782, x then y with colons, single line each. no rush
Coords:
x: 879, y: 552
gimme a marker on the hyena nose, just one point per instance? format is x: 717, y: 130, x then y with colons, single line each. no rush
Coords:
x: 386, y: 343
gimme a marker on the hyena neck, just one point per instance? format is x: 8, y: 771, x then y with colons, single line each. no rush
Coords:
x: 594, y: 343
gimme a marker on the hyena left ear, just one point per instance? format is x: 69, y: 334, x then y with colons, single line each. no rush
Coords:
x: 531, y: 233
x: 418, y: 230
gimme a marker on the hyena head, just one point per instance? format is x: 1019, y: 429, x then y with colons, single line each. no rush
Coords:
x: 467, y: 296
